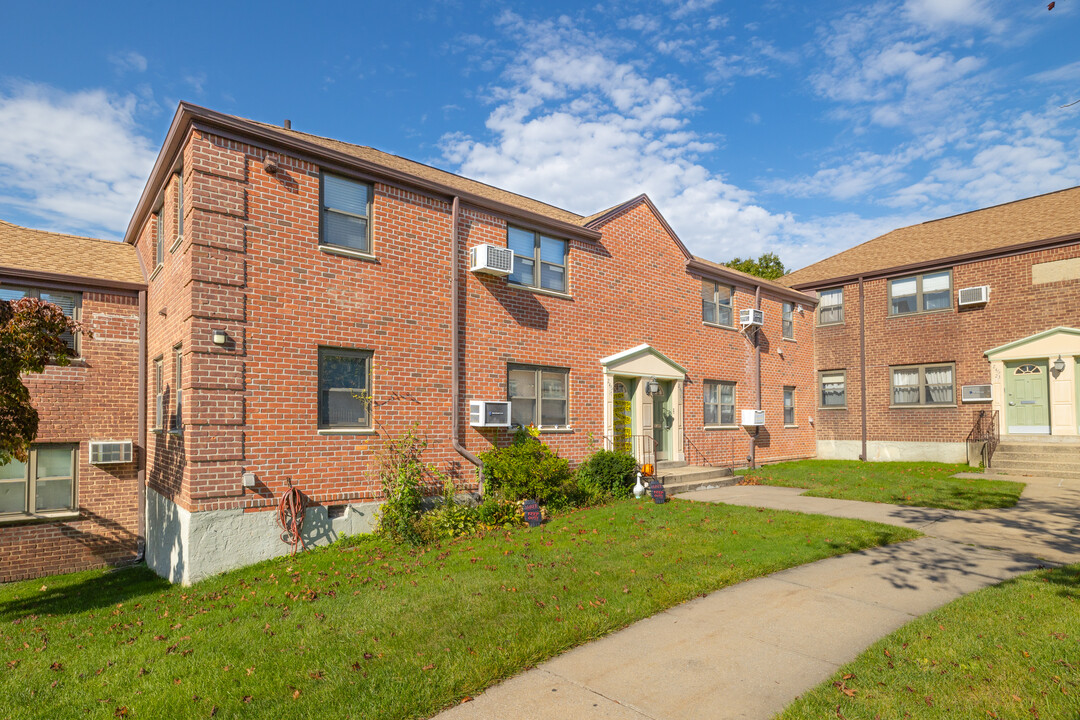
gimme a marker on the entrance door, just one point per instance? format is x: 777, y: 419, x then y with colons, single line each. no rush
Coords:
x: 1027, y: 390
x: 663, y: 421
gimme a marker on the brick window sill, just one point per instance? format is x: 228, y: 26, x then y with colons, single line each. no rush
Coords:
x: 346, y: 252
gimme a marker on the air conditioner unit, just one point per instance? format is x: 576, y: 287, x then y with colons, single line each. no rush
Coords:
x: 976, y: 393
x: 979, y: 295
x: 750, y: 317
x: 110, y: 452
x: 753, y: 418
x: 491, y: 259
x: 489, y: 413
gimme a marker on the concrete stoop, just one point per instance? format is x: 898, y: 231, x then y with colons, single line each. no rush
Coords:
x: 680, y: 477
x: 1044, y: 457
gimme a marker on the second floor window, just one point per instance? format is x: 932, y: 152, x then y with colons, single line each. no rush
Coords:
x: 159, y: 237
x: 716, y: 303
x: 539, y: 260
x: 920, y: 293
x: 345, y: 219
x: 831, y: 306
x: 789, y: 321
x: 178, y: 392
x: 69, y: 302
x: 159, y: 392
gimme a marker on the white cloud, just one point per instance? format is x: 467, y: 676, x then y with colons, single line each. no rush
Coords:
x: 944, y: 14
x: 128, y: 61
x: 75, y: 161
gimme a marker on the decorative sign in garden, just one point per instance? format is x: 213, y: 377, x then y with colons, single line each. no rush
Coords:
x: 532, y: 513
x: 656, y: 491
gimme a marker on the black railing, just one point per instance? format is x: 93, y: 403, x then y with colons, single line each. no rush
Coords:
x: 642, y: 447
x: 696, y: 456
x: 985, y: 430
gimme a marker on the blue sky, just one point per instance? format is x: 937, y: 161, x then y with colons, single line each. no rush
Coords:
x: 798, y: 128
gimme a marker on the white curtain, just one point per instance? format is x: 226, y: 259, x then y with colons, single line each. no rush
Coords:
x: 939, y: 385
x: 906, y: 386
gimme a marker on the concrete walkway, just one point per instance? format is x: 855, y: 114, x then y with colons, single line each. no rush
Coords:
x: 747, y: 651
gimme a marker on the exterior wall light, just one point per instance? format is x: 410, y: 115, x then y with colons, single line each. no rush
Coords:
x: 1059, y: 365
x: 220, y: 337
x: 652, y: 387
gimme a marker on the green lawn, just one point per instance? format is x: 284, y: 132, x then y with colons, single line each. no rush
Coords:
x: 921, y: 484
x: 374, y: 631
x: 1008, y: 651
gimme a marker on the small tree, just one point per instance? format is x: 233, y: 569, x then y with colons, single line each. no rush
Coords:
x: 31, y: 337
x: 768, y: 266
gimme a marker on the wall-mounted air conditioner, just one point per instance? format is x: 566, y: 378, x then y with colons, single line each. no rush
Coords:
x: 976, y: 393
x: 491, y: 259
x: 110, y: 452
x: 489, y: 413
x: 751, y: 317
x: 979, y: 295
x: 753, y: 418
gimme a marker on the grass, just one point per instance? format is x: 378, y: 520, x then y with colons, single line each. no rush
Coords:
x: 370, y: 630
x: 919, y: 484
x: 1007, y: 651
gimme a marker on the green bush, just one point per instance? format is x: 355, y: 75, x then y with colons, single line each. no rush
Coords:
x: 607, y: 473
x: 402, y: 472
x: 496, y: 512
x: 527, y: 469
x: 450, y: 519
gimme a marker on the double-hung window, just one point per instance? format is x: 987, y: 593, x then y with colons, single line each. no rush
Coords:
x: 69, y: 302
x: 920, y: 293
x: 716, y: 304
x: 179, y: 206
x: 345, y: 219
x: 539, y: 260
x: 345, y: 399
x: 789, y: 405
x: 178, y: 392
x: 538, y: 396
x: 833, y: 389
x: 42, y: 485
x: 719, y: 402
x: 159, y: 237
x: 788, y: 321
x: 831, y: 306
x: 923, y: 385
x: 159, y: 393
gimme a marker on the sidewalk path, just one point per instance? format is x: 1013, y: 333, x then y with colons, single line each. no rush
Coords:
x: 748, y: 650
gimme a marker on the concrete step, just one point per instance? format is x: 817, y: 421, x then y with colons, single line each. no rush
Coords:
x: 694, y: 477
x: 1041, y: 439
x: 1042, y: 468
x: 663, y: 465
x: 1069, y: 455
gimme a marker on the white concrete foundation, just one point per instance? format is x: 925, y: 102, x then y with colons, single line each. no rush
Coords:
x: 185, y: 547
x: 883, y: 451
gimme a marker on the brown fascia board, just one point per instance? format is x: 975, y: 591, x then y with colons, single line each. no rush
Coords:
x: 735, y: 278
x: 74, y: 281
x: 188, y: 115
x: 942, y: 263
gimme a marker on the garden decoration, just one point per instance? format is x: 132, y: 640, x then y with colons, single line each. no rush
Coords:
x: 639, y: 489
x: 656, y: 490
x: 531, y: 509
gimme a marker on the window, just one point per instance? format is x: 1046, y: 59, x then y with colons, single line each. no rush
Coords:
x: 179, y: 205
x: 789, y: 321
x: 834, y: 389
x: 831, y: 306
x: 69, y: 302
x: 533, y: 250
x: 344, y: 389
x: 159, y: 392
x: 923, y: 385
x: 159, y: 237
x: 789, y: 405
x: 719, y: 402
x: 538, y: 396
x: 346, y: 214
x: 45, y: 484
x: 716, y: 304
x: 178, y: 373
x: 920, y: 293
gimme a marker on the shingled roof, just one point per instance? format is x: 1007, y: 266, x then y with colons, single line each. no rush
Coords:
x: 32, y: 251
x: 1048, y: 217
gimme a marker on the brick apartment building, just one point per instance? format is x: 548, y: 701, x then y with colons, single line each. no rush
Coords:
x: 919, y: 329
x: 65, y: 510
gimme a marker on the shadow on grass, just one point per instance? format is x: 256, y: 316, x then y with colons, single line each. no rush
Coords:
x: 90, y: 592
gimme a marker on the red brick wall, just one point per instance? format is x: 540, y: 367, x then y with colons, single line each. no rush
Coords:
x: 95, y: 398
x: 1017, y: 309
x: 250, y: 264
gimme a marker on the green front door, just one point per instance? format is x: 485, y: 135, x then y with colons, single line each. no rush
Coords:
x: 1027, y: 401
x: 663, y: 420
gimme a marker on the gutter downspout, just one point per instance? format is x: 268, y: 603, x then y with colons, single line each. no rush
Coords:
x: 862, y: 362
x: 142, y: 429
x: 455, y: 347
x: 757, y: 379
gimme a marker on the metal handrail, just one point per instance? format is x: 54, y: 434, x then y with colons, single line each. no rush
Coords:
x: 688, y: 443
x: 642, y: 447
x: 986, y: 430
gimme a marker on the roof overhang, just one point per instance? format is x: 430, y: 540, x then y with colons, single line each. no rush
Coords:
x: 61, y: 279
x: 1055, y: 341
x: 736, y: 278
x: 643, y: 360
x: 194, y: 116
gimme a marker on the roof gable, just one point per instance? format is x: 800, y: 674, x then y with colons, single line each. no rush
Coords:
x: 1055, y: 340
x: 643, y: 359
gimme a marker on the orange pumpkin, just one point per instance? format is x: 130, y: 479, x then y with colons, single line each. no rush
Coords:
x: 647, y: 469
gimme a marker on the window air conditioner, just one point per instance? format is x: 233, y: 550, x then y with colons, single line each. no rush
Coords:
x: 489, y: 413
x: 110, y: 452
x: 976, y: 393
x: 750, y: 317
x: 491, y: 259
x: 974, y: 295
x: 753, y: 418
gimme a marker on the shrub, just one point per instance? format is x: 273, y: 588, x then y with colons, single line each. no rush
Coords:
x: 497, y: 512
x: 450, y: 519
x: 607, y: 473
x: 402, y: 472
x: 527, y: 469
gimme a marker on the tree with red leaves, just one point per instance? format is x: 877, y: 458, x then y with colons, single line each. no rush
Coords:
x: 31, y: 337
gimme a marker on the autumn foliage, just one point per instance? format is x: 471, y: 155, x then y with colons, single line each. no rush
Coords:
x: 31, y: 337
